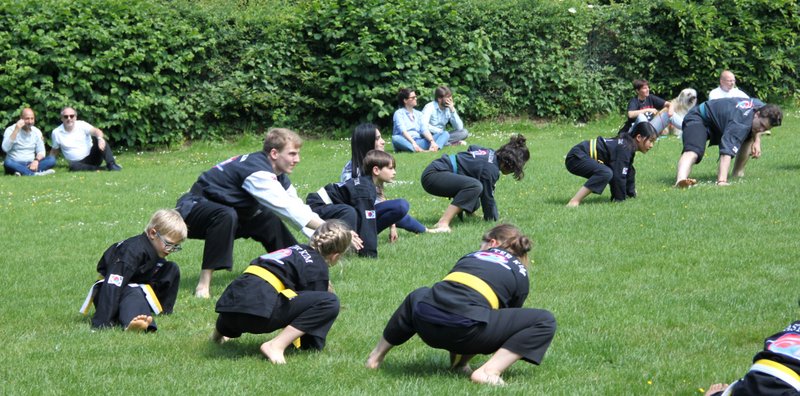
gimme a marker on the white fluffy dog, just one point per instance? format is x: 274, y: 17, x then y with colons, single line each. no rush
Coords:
x: 679, y: 106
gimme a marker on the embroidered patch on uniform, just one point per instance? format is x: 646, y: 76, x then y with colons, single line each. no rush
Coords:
x: 115, y: 279
x: 492, y: 257
x: 277, y: 255
x: 370, y: 214
x: 787, y: 344
x: 624, y: 171
x: 735, y: 149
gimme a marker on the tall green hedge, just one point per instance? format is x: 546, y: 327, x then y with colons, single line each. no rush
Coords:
x: 158, y: 72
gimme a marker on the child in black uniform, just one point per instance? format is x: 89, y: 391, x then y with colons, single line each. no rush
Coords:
x: 469, y: 178
x: 609, y: 161
x: 477, y: 309
x: 135, y: 277
x: 287, y: 289
x: 775, y: 370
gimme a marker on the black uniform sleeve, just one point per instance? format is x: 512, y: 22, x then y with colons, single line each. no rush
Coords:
x: 120, y: 266
x: 620, y: 167
x: 488, y: 180
x: 631, y: 185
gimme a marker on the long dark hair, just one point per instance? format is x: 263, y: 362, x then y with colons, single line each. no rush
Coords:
x: 362, y: 141
x: 644, y: 129
x: 513, y: 155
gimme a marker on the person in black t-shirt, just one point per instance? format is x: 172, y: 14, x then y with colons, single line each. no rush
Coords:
x: 643, y: 103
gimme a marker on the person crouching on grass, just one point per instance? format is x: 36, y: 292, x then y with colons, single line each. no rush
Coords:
x: 136, y: 278
x: 477, y: 308
x: 287, y: 289
x: 609, y: 162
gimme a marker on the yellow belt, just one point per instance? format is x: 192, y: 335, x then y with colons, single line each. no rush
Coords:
x: 270, y: 278
x: 778, y: 370
x: 273, y: 280
x: 476, y: 284
x: 593, y: 150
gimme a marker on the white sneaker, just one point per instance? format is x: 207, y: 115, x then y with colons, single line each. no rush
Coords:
x: 17, y: 174
x: 45, y: 173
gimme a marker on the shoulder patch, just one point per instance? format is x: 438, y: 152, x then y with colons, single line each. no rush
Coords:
x: 115, y: 280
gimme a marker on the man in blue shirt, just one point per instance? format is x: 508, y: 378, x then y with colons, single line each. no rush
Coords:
x: 440, y: 112
x: 24, y: 146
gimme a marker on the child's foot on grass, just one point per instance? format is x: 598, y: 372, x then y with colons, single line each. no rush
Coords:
x: 275, y: 355
x: 202, y: 292
x: 685, y: 183
x: 140, y: 323
x: 218, y: 338
x: 481, y: 377
x: 438, y: 229
x: 716, y: 388
x: 374, y: 360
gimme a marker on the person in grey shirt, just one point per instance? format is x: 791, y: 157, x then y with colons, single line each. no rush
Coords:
x: 24, y: 146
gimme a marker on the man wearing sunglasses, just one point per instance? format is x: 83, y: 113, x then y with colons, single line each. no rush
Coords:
x: 83, y: 145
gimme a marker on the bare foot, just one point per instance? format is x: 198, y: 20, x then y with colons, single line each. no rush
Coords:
x: 716, y: 388
x: 139, y: 323
x: 202, y: 292
x: 438, y: 229
x: 685, y: 183
x: 274, y: 355
x: 374, y: 360
x: 481, y: 377
x: 572, y: 204
x: 218, y: 338
x: 723, y: 183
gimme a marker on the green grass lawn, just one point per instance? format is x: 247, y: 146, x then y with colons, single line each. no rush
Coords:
x: 660, y: 295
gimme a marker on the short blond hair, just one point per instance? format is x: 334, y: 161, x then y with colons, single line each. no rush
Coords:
x: 277, y: 138
x: 168, y: 222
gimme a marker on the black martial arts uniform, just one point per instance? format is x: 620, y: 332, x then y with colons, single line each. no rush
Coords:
x: 467, y: 177
x: 353, y: 202
x: 250, y: 304
x: 775, y: 369
x: 241, y: 197
x: 724, y: 122
x: 457, y: 317
x: 127, y: 267
x: 605, y: 162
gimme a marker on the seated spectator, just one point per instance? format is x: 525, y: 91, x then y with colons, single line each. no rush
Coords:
x: 643, y: 103
x: 83, y: 145
x: 410, y: 131
x: 727, y: 87
x: 442, y: 111
x: 24, y: 146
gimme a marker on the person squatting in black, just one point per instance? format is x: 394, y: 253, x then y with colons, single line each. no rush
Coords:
x: 136, y: 278
x: 775, y: 370
x: 609, y: 161
x: 733, y: 124
x: 288, y: 289
x: 469, y: 178
x: 477, y: 309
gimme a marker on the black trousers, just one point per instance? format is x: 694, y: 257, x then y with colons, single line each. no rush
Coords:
x: 524, y: 331
x: 464, y: 190
x: 312, y: 312
x: 579, y: 163
x: 220, y: 225
x: 95, y: 158
x: 165, y: 282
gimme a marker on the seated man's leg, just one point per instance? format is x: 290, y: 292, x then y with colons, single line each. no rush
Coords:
x: 401, y: 144
x: 267, y: 228
x: 89, y: 163
x: 441, y: 138
x: 98, y: 156
x: 48, y: 162
x: 12, y: 167
x: 458, y: 136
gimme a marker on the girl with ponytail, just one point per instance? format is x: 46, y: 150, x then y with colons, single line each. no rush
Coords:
x: 477, y: 309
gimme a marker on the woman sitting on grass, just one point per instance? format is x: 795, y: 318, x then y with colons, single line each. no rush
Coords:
x: 136, y: 280
x: 287, y: 289
x: 469, y: 178
x: 609, y: 161
x: 477, y: 309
